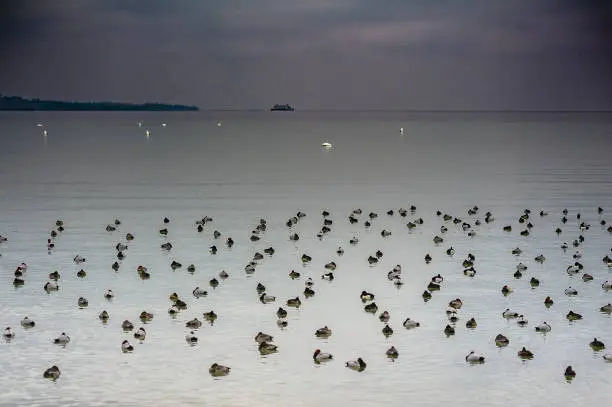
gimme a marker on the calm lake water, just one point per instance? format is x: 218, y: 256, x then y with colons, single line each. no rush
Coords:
x: 93, y: 168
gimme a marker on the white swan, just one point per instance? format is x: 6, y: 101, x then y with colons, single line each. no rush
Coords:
x: 571, y: 291
x: 509, y: 314
x: 319, y: 356
x: 474, y: 358
x: 140, y: 334
x: 409, y: 324
x: 191, y: 338
x: 358, y: 365
x: 544, y: 327
x: 126, y: 347
x: 63, y: 339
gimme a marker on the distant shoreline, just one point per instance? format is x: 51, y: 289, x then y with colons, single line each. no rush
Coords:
x: 16, y: 103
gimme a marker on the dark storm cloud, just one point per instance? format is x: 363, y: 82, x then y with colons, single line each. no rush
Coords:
x: 545, y: 54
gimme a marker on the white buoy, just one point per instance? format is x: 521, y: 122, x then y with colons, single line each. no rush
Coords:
x: 326, y: 145
x: 139, y: 124
x: 219, y: 124
x: 401, y: 130
x: 147, y: 133
x: 45, y: 133
x: 39, y: 125
x: 163, y: 124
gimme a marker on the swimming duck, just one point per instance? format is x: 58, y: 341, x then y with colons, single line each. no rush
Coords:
x: 308, y: 292
x: 358, y: 365
x: 426, y: 295
x: 607, y: 357
x: 309, y: 282
x: 294, y: 302
x: 385, y: 233
x: 103, y: 316
x: 540, y: 258
x: 449, y: 330
x: 129, y: 236
x: 214, y: 283
x: 409, y: 324
x: 471, y: 323
x: 173, y: 297
x: 229, y: 242
x: 507, y: 228
x: 587, y: 277
x: 127, y: 325
x: 262, y: 337
x: 266, y: 348
x: 145, y: 316
x: 384, y: 316
x: 8, y: 333
x: 191, y: 268
x: 571, y: 291
x: 521, y: 267
x: 180, y: 304
x: 281, y: 323
x: 328, y: 276
x: 597, y: 345
x: 175, y: 265
x: 470, y: 272
x: 306, y: 258
x: 521, y: 321
x: 525, y: 354
x: 452, y: 317
x: 607, y: 285
x: 564, y: 246
x: 427, y: 258
x: 501, y: 341
x: 257, y: 256
x: 52, y: 373
x: 27, y: 323
x: 126, y: 347
x: 140, y: 334
x: 319, y: 356
x: 437, y: 279
x: 366, y: 296
x: 63, y: 339
x: 506, y: 290
x: 569, y: 373
x: 115, y: 266
x: 544, y: 327
x: 294, y: 274
x: 450, y: 251
x: 51, y: 286
x: 218, y: 370
x: 223, y: 274
x: 572, y: 316
x: 120, y: 247
x: 81, y: 273
x: 340, y: 251
x: 548, y: 302
x: 392, y: 275
x: 210, y: 316
x: 163, y: 231
x: 474, y: 358
x: 509, y: 314
x: 456, y: 303
x: 82, y: 302
x: 79, y: 259
x: 392, y: 353
x: 198, y: 292
x: 166, y: 246
x: 265, y: 299
x: 572, y: 269
x: 50, y: 245
x: 194, y: 323
x: 109, y: 295
x: 173, y: 310
x: 437, y: 239
x: 281, y: 313
x: 534, y: 282
x: 517, y: 251
x: 518, y: 274
x: 354, y: 241
x: 54, y: 275
x: 324, y: 332
x: 606, y: 308
x: 371, y: 308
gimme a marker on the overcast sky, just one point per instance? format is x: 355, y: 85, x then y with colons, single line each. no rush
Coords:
x: 314, y: 54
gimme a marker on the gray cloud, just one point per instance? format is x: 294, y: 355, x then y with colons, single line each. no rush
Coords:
x: 474, y: 54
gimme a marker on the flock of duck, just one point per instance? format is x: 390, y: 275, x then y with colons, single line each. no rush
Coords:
x: 265, y: 341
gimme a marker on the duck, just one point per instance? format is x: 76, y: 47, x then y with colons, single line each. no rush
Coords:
x: 517, y: 251
x: 198, y: 292
x: 540, y: 258
x: 109, y: 295
x: 294, y: 302
x: 281, y: 313
x: 543, y: 327
x: 193, y: 324
x: 474, y: 358
x: 587, y: 277
x: 572, y: 269
x: 606, y: 308
x: 572, y: 316
x: 166, y: 246
x: 52, y: 373
x: 51, y: 286
x: 471, y: 323
x: 571, y: 291
x: 8, y: 333
x: 366, y: 296
x: 54, y: 275
x: 223, y: 274
x: 501, y: 340
x: 126, y: 347
x: 548, y: 301
x: 392, y: 353
x: 450, y: 251
x: 607, y: 357
x: 266, y: 348
x: 217, y: 370
x: 79, y: 259
x: 371, y: 308
x: 607, y: 285
x: 384, y: 316
x: 409, y: 324
x: 509, y: 314
x: 428, y: 258
x: 319, y: 356
x: 120, y: 247
x: 456, y: 303
x: 437, y: 240
x: 387, y: 330
x: 506, y: 290
x: 358, y: 365
x: 214, y: 283
x: 127, y: 325
x: 173, y: 310
x: 82, y: 302
x: 294, y: 274
x: 385, y: 233
x: 426, y: 295
x: 525, y: 353
x: 140, y: 334
x: 260, y: 288
x: 103, y: 316
x: 191, y: 268
x: 146, y: 316
x: 210, y: 316
x: 265, y: 298
x: 63, y: 339
x: 521, y: 267
x: 262, y: 337
x: 354, y: 241
x: 437, y: 279
x: 129, y: 236
x: 521, y: 321
x: 534, y: 282
x: 452, y: 317
x: 27, y: 323
x: 597, y: 345
x: 449, y: 330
